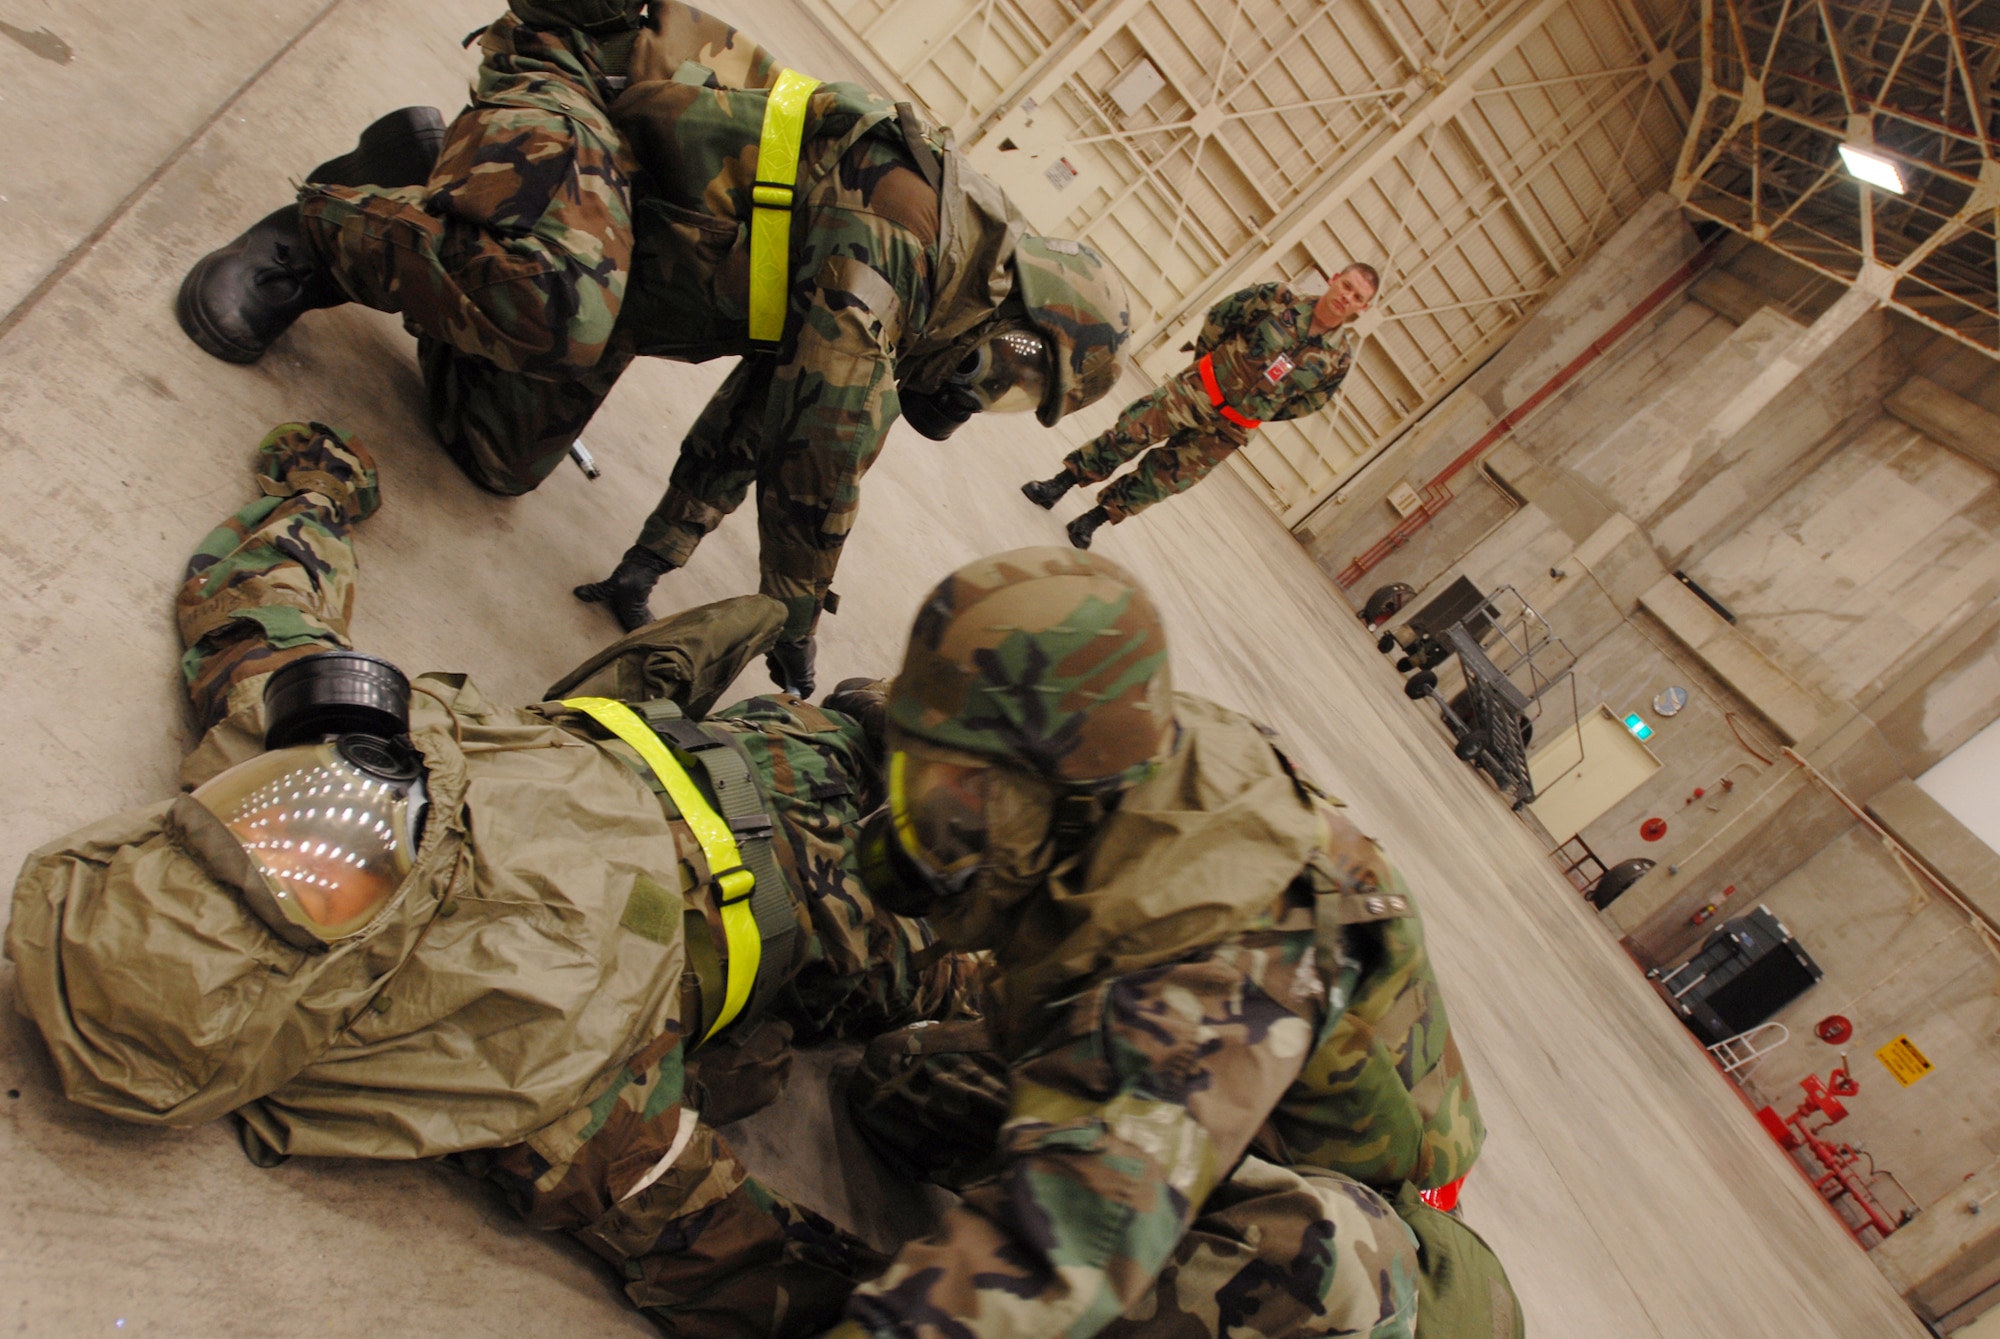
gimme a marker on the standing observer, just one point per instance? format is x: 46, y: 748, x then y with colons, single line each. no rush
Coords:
x: 1263, y: 354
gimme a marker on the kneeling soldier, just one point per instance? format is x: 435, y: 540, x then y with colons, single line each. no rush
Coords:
x: 1217, y: 1080
x: 625, y: 186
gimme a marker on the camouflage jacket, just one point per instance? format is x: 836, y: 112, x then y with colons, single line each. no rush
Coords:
x: 938, y: 236
x: 862, y: 199
x: 889, y: 277
x: 1312, y: 1034
x: 428, y: 1035
x: 1268, y: 363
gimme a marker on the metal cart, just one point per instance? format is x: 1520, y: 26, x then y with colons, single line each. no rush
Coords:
x: 1502, y: 658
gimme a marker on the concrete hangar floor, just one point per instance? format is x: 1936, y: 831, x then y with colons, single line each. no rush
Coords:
x: 1625, y: 1186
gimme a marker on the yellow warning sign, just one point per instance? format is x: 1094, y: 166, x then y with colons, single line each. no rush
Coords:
x: 1902, y: 1059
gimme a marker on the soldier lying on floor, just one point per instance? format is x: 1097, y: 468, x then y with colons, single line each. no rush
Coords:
x: 430, y: 925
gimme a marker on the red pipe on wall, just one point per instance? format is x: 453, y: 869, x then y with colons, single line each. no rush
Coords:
x: 1434, y: 495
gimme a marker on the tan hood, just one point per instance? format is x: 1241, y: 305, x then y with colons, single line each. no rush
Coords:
x: 495, y: 995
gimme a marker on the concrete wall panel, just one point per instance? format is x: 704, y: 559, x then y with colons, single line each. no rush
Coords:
x: 1779, y: 825
x: 1659, y: 352
x: 1651, y: 447
x: 1890, y: 543
x: 1781, y: 443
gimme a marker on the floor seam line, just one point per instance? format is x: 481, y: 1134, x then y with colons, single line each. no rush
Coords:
x: 76, y: 255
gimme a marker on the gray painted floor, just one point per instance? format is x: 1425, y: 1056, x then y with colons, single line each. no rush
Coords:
x: 1629, y: 1191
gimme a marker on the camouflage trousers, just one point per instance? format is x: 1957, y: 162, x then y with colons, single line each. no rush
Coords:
x: 510, y: 264
x: 645, y: 1181
x: 1193, y: 439
x: 1273, y: 1251
x: 639, y: 1175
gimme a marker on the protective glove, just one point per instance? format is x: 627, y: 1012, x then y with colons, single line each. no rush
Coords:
x: 629, y: 587
x: 940, y: 413
x: 867, y: 701
x: 791, y: 665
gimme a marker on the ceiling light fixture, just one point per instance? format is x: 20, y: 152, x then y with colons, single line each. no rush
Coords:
x: 1872, y: 168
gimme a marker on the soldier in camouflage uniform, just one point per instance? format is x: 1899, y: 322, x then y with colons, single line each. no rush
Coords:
x: 1216, y: 1074
x: 1264, y: 353
x: 593, y: 204
x: 529, y: 998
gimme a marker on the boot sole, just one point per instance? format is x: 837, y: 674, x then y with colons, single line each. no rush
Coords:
x: 196, y: 326
x: 399, y: 149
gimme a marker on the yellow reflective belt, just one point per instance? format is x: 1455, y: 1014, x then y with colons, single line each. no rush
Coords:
x: 771, y: 204
x: 718, y: 843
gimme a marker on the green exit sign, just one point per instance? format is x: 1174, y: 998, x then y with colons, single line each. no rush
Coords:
x: 1637, y: 725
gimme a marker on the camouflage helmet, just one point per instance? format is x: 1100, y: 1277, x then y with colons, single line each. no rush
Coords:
x: 596, y: 17
x: 1047, y: 658
x: 1077, y: 303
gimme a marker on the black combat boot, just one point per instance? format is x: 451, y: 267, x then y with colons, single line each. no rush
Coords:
x: 237, y: 300
x: 1045, y: 493
x: 1084, y: 526
x: 399, y: 149
x: 629, y: 588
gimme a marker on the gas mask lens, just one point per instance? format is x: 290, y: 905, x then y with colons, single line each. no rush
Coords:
x: 1008, y: 373
x: 332, y: 826
x: 938, y: 809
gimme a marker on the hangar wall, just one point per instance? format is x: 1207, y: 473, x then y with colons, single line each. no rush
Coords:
x: 1824, y: 470
x: 1475, y: 153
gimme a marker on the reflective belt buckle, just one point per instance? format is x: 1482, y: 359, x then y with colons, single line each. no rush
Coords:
x: 736, y: 891
x: 772, y: 194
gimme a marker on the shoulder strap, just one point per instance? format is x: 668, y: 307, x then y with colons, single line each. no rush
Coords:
x: 756, y: 908
x: 725, y: 763
x: 771, y: 201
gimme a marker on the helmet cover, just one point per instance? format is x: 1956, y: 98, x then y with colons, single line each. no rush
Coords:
x: 1049, y: 659
x: 1077, y: 303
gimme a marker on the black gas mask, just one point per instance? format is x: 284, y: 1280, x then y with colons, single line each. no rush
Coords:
x: 1006, y: 373
x: 962, y: 839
